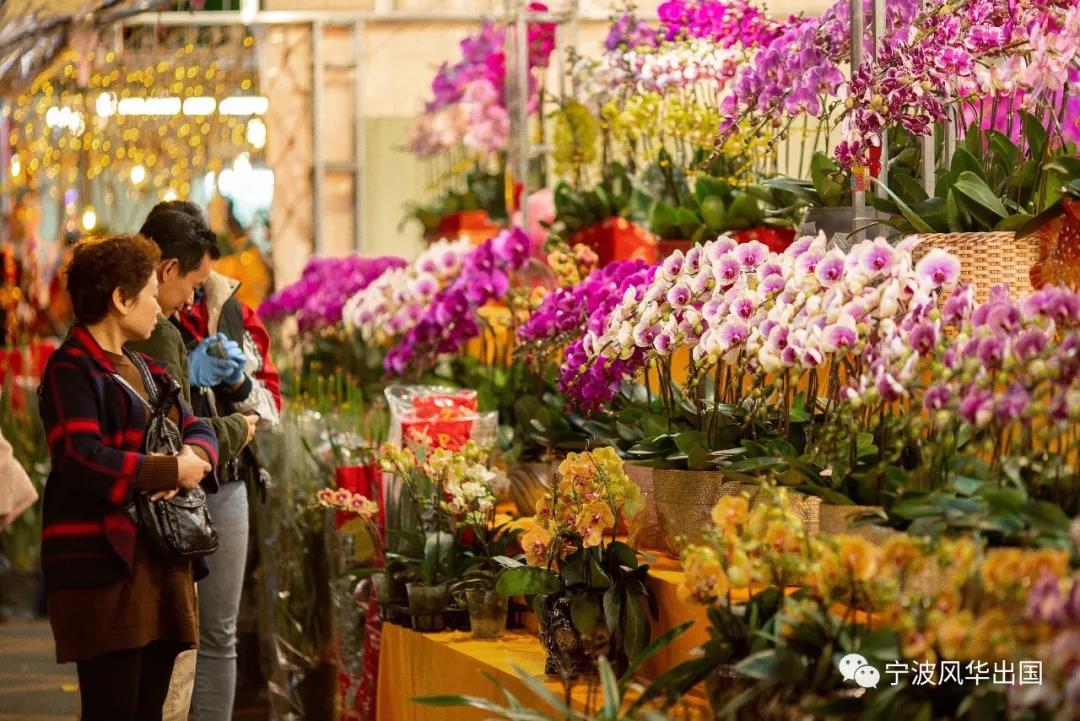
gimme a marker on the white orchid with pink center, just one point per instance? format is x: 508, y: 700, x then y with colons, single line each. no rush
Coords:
x: 391, y: 305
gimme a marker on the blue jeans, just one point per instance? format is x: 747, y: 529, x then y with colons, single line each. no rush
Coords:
x: 219, y: 603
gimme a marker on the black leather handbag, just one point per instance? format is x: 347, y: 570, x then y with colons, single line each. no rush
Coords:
x: 179, y: 527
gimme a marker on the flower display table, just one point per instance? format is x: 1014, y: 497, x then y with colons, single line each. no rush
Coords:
x: 415, y: 664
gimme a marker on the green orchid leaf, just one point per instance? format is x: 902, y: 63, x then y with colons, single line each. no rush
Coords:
x: 963, y: 161
x: 1035, y: 135
x: 527, y: 581
x: 975, y: 189
x: 827, y: 178
x: 907, y: 187
x: 636, y: 636
x: 953, y: 214
x: 744, y: 212
x: 920, y: 225
x: 585, y: 611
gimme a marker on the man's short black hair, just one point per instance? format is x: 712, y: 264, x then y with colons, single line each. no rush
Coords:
x: 180, y: 236
x: 181, y: 206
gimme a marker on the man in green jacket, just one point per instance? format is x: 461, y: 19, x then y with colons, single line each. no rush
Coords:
x: 186, y: 256
x: 186, y: 259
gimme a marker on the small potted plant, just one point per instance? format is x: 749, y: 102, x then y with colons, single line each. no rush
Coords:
x: 450, y: 495
x: 471, y: 488
x: 589, y: 587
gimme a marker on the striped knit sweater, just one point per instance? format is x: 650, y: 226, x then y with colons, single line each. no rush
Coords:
x: 95, y: 427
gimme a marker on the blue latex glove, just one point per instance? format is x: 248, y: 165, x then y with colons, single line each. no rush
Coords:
x: 235, y: 355
x: 205, y: 370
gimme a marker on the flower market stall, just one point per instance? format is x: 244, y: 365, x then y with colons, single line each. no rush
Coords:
x: 775, y: 414
x: 738, y: 378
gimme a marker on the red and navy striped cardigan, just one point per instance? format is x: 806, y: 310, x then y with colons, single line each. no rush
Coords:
x: 95, y: 427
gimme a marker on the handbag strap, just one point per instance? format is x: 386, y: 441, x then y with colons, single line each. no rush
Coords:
x: 147, y: 378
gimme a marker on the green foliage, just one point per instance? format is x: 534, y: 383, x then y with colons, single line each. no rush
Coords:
x: 483, y: 191
x: 577, y: 208
x: 975, y: 503
x: 710, y: 208
x: 991, y: 183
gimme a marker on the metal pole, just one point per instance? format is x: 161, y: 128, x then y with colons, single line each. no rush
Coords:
x: 317, y: 163
x: 878, y: 20
x: 928, y: 164
x: 949, y: 132
x: 858, y: 198
x: 359, y: 149
x: 523, y: 107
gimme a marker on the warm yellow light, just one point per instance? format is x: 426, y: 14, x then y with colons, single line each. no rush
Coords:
x: 256, y: 133
x: 199, y: 106
x: 244, y: 105
x: 138, y: 174
x: 169, y: 195
x: 89, y: 219
x: 16, y: 166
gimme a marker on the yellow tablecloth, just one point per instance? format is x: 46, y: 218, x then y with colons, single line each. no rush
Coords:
x: 414, y: 664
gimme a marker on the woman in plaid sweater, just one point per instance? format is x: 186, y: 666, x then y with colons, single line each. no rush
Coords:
x: 119, y: 612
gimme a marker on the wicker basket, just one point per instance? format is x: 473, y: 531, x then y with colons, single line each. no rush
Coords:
x: 528, y: 484
x: 646, y: 531
x: 843, y: 519
x: 685, y: 499
x: 987, y: 259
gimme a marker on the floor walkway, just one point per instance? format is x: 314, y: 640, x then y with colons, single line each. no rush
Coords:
x: 33, y: 687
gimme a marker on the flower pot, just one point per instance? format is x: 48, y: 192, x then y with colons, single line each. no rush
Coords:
x: 617, y: 239
x: 723, y: 685
x: 476, y: 225
x: 684, y: 502
x: 986, y: 259
x: 667, y: 246
x: 528, y: 484
x: 427, y: 606
x: 830, y: 221
x: 843, y: 519
x: 382, y: 589
x: 571, y: 653
x: 645, y: 531
x: 775, y: 239
x: 685, y: 499
x: 487, y: 612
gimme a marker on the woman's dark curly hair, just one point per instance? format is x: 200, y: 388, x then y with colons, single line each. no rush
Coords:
x: 100, y: 266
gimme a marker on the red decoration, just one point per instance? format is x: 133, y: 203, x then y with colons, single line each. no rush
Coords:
x: 26, y: 360
x: 365, y: 480
x: 776, y: 239
x: 617, y: 239
x: 441, y: 420
x: 356, y: 696
x: 875, y: 160
x: 474, y: 223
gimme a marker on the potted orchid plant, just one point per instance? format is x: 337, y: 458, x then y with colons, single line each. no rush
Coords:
x: 450, y: 496
x: 589, y: 586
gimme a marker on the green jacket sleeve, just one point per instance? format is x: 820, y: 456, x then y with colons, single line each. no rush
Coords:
x: 232, y: 435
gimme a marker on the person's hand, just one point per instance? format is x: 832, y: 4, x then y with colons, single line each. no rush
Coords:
x: 164, y: 495
x: 206, y: 370
x: 234, y: 353
x: 192, y: 469
x: 252, y: 421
